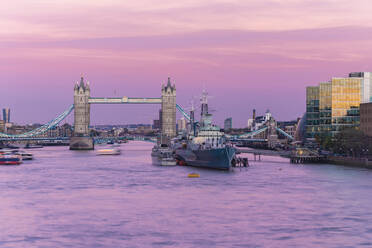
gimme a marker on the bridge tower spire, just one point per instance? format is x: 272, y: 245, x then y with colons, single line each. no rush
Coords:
x: 81, y: 139
x: 168, y: 106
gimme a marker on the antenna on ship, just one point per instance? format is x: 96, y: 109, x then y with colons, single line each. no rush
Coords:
x: 192, y: 117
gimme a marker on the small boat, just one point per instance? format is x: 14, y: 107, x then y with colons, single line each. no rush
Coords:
x: 10, y: 146
x: 10, y: 158
x: 163, y: 155
x: 29, y: 146
x: 193, y: 175
x: 109, y: 152
x: 26, y: 155
x: 23, y: 154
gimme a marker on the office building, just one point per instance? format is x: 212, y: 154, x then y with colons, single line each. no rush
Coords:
x: 6, y: 115
x: 2, y: 126
x: 312, y: 111
x: 182, y: 125
x: 333, y: 106
x: 366, y: 86
x: 228, y: 124
x: 346, y: 98
x: 366, y: 118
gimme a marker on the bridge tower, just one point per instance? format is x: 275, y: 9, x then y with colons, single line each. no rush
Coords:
x: 81, y: 139
x: 168, y: 106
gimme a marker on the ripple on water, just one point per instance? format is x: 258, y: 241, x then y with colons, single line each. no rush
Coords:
x: 76, y: 199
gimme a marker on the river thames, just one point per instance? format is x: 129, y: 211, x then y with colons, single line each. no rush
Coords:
x: 77, y: 199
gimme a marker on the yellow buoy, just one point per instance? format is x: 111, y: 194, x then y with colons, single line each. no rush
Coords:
x: 193, y: 175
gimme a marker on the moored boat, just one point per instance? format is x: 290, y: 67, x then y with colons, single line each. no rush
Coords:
x: 26, y: 155
x: 205, y: 146
x: 30, y: 146
x: 23, y: 154
x: 109, y: 151
x: 163, y: 155
x: 7, y: 158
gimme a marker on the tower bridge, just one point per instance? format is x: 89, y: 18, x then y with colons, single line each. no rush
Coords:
x: 81, y: 109
x: 83, y: 100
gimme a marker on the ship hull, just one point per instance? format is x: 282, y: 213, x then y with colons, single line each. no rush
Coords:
x: 162, y: 162
x: 10, y: 161
x: 219, y: 158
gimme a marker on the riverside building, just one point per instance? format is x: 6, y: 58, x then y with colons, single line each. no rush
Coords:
x: 366, y: 118
x: 228, y: 124
x: 334, y: 105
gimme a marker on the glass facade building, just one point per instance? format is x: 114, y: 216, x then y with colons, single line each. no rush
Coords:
x: 312, y: 111
x: 228, y: 124
x: 325, y: 107
x: 334, y: 105
x: 6, y: 115
x: 346, y: 100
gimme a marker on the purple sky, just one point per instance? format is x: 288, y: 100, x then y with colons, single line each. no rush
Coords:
x: 247, y: 54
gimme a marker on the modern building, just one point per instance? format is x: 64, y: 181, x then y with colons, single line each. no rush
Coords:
x: 333, y: 106
x: 346, y: 98
x: 366, y: 86
x: 181, y: 125
x: 156, y: 124
x: 6, y: 115
x: 366, y: 118
x: 325, y: 107
x: 228, y: 124
x: 2, y: 126
x: 312, y: 111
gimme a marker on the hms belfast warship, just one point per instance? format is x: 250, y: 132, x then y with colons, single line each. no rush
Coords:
x: 205, y: 145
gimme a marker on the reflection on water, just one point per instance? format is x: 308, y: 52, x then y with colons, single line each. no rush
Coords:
x: 77, y: 199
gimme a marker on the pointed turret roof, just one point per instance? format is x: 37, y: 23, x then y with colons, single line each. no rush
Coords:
x: 82, y: 82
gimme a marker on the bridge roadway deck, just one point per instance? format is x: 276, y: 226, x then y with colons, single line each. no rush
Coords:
x: 124, y: 100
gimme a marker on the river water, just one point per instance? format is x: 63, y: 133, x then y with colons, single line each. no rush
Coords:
x: 77, y: 199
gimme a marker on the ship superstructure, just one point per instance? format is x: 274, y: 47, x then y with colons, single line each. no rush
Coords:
x: 206, y: 145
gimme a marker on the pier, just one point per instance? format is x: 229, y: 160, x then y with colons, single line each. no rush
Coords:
x: 305, y: 155
x: 258, y: 152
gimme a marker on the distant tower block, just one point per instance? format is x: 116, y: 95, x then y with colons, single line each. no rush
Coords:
x: 81, y: 139
x: 82, y: 108
x: 168, y: 106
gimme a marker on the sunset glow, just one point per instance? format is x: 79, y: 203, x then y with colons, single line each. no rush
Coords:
x: 238, y: 49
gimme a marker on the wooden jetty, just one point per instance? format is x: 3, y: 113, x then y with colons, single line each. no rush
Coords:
x: 305, y: 155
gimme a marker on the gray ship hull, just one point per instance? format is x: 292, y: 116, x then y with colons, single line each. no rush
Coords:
x: 156, y: 160
x: 218, y: 158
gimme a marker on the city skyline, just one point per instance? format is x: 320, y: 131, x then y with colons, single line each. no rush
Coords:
x: 247, y: 55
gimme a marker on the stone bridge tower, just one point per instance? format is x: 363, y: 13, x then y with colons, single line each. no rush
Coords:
x: 82, y: 108
x: 81, y: 139
x: 168, y: 106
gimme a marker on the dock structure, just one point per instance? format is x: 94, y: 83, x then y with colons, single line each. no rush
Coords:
x: 305, y: 155
x: 240, y: 162
x: 258, y: 152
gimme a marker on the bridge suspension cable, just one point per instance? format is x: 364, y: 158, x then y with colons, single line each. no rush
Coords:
x: 284, y: 133
x: 183, y: 112
x: 43, y: 129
